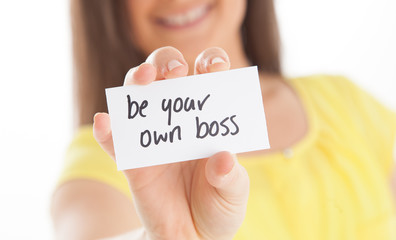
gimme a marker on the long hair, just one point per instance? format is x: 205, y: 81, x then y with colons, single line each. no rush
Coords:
x: 104, y: 50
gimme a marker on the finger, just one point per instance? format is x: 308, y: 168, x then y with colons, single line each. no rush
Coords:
x: 228, y: 177
x: 102, y: 133
x: 169, y: 63
x: 141, y: 75
x: 212, y: 60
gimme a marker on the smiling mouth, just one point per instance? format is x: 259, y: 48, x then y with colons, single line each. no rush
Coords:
x: 186, y: 19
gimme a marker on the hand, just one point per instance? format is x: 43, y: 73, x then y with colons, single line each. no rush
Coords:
x: 199, y: 199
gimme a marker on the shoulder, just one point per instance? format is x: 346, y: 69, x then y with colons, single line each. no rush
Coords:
x: 340, y: 92
x: 340, y: 100
x: 330, y: 85
x: 85, y: 159
x: 350, y: 112
x: 85, y: 154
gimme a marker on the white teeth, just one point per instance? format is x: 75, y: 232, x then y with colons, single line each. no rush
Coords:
x: 180, y: 20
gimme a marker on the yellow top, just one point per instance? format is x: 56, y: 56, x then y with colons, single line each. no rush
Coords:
x: 333, y: 184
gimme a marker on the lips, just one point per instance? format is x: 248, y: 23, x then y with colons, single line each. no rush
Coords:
x: 186, y: 19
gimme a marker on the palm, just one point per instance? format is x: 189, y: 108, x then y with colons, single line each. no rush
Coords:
x: 181, y: 193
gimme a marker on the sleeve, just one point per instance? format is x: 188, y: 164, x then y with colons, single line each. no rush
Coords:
x: 378, y: 123
x: 85, y: 159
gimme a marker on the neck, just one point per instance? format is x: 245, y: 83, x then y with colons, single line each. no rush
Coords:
x: 236, y: 53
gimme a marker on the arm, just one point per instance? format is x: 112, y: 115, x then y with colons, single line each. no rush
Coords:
x: 87, y: 209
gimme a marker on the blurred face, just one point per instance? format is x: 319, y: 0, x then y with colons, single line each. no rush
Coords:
x: 189, y: 25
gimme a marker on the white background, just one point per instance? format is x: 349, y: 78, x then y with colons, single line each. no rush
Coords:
x: 355, y: 38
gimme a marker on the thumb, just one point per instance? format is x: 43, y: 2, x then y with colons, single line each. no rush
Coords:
x: 230, y: 179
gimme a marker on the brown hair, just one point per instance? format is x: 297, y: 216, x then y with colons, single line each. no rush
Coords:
x: 104, y: 50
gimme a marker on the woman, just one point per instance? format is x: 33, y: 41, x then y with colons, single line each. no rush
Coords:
x: 326, y: 176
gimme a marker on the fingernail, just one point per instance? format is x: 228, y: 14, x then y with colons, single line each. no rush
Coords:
x: 225, y: 176
x: 173, y: 64
x: 217, y: 60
